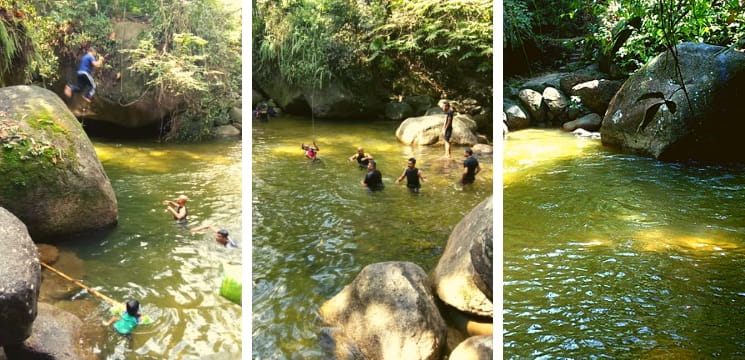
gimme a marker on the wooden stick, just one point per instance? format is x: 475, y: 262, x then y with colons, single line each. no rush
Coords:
x: 78, y: 283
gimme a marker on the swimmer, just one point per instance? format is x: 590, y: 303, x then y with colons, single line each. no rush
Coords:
x: 128, y: 320
x: 178, y: 208
x: 311, y: 151
x: 221, y: 235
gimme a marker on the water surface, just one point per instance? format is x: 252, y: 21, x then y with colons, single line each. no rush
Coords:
x: 174, y: 274
x: 315, y: 227
x: 615, y: 256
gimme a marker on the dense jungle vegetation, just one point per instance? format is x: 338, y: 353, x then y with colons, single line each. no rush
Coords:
x: 189, y: 49
x: 434, y: 47
x: 621, y: 33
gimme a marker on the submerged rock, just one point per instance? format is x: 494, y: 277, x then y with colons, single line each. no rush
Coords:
x: 20, y: 277
x: 387, y: 312
x: 56, y: 335
x: 52, y: 178
x: 463, y: 276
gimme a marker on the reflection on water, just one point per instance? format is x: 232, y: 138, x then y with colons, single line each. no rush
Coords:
x: 315, y: 227
x: 614, y: 256
x: 173, y: 273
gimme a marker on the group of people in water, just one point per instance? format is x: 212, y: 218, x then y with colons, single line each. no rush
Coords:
x: 128, y: 319
x: 373, y: 180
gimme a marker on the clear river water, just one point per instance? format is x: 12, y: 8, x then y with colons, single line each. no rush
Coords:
x: 173, y: 273
x: 613, y: 256
x: 315, y: 227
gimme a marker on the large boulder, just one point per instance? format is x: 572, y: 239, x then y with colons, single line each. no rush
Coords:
x: 420, y: 103
x: 20, y: 277
x: 397, y: 110
x: 56, y: 335
x: 463, y: 276
x: 556, y: 104
x: 387, y: 312
x: 596, y: 94
x: 533, y: 102
x: 651, y: 115
x: 590, y: 122
x: 427, y: 130
x: 335, y: 100
x: 517, y: 118
x: 474, y: 348
x: 52, y: 179
x: 538, y: 84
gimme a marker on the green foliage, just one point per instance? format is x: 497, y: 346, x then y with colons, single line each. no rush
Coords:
x: 664, y: 23
x: 517, y: 25
x: 435, y: 43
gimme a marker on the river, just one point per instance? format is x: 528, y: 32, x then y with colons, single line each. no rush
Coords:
x: 613, y: 256
x: 315, y: 227
x: 174, y: 274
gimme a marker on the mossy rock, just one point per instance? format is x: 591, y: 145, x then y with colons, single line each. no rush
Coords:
x: 52, y: 178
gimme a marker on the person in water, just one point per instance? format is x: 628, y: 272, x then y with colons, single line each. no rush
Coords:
x: 85, y: 82
x: 128, y: 319
x: 221, y: 235
x: 311, y: 151
x: 470, y: 168
x: 373, y: 179
x: 178, y: 208
x: 362, y: 158
x: 412, y: 175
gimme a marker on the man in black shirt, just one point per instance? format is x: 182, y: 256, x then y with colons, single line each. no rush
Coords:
x: 374, y: 179
x: 470, y: 168
x: 412, y: 175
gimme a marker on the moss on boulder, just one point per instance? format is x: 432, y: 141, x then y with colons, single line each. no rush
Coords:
x: 54, y: 181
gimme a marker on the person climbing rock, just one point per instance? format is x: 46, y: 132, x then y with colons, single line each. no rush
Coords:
x: 85, y: 82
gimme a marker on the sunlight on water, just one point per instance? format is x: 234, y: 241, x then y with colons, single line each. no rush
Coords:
x: 608, y: 255
x: 173, y: 273
x: 315, y: 226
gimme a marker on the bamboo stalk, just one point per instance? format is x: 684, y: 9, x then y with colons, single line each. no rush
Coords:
x: 78, y: 283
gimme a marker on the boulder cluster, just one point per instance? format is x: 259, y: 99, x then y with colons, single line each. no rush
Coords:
x: 395, y: 310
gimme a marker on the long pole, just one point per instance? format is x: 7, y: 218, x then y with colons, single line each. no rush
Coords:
x: 78, y: 283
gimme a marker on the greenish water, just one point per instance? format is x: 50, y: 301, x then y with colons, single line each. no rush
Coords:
x: 174, y: 274
x: 611, y: 256
x: 315, y: 227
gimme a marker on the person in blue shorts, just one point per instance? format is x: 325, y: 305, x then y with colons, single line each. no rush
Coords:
x: 470, y: 168
x: 85, y: 83
x: 413, y: 175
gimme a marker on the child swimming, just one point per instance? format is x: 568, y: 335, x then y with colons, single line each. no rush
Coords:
x: 311, y: 151
x: 128, y: 320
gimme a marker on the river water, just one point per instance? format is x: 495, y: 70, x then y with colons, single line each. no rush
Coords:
x: 315, y: 227
x: 174, y: 274
x: 612, y: 256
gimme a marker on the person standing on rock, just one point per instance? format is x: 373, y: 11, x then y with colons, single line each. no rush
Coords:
x: 470, y: 168
x: 85, y: 83
x: 374, y: 179
x: 447, y: 127
x: 413, y: 175
x: 362, y: 157
x: 178, y: 208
